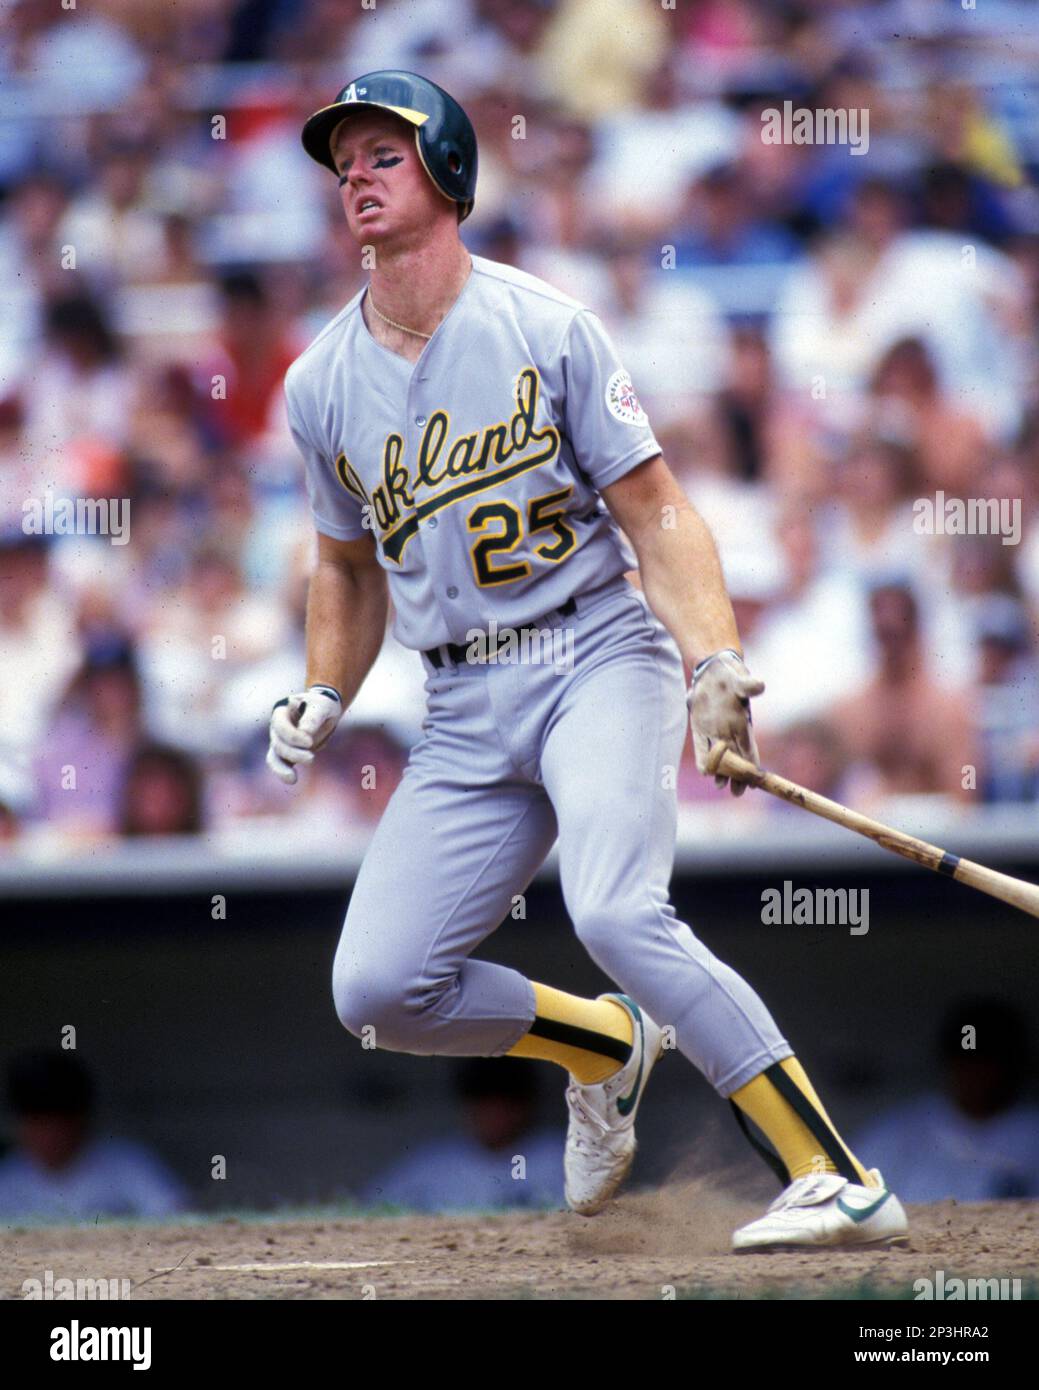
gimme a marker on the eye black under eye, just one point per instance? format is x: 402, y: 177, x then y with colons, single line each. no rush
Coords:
x: 386, y: 161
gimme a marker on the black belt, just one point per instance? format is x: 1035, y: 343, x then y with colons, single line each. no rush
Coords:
x: 459, y: 651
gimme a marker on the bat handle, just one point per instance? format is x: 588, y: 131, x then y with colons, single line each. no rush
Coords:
x: 723, y: 762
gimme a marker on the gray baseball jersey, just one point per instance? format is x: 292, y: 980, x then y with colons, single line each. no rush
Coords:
x: 478, y: 468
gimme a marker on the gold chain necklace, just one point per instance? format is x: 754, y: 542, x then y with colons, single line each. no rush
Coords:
x: 393, y: 324
x: 403, y: 327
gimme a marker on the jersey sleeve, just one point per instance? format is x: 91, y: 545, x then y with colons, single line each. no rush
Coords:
x: 337, y: 512
x: 604, y: 421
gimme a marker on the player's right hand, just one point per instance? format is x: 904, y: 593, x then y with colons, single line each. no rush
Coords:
x: 300, y: 725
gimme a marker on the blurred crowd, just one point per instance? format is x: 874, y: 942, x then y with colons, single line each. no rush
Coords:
x: 823, y: 340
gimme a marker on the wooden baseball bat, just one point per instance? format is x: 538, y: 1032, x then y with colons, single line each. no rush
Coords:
x: 1015, y: 891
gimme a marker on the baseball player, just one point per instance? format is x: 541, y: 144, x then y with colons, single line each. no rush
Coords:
x: 474, y: 450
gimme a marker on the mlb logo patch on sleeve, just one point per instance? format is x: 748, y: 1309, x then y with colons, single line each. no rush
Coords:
x: 622, y: 401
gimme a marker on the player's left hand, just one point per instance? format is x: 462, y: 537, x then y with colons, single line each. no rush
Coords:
x: 719, y: 709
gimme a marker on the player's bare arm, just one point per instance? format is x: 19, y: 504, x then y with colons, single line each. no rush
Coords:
x: 346, y: 621
x: 684, y: 585
x: 346, y: 614
x: 678, y: 561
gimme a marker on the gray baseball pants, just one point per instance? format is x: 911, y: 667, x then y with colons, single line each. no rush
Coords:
x: 512, y: 756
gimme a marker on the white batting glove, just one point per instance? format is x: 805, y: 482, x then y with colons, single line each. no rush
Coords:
x: 719, y: 708
x: 300, y: 725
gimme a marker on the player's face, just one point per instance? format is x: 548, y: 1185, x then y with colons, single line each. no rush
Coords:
x: 385, y: 191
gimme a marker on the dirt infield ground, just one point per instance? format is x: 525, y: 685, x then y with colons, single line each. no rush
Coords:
x: 639, y: 1248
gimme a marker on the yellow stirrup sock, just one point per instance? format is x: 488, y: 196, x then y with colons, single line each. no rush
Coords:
x: 783, y: 1104
x: 591, y: 1038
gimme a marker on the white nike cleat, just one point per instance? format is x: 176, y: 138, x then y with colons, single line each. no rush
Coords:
x: 826, y: 1210
x: 600, y: 1139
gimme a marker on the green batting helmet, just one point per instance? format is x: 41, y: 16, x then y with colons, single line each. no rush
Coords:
x: 444, y: 135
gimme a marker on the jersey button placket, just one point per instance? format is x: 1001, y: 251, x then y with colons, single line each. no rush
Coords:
x: 420, y: 420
